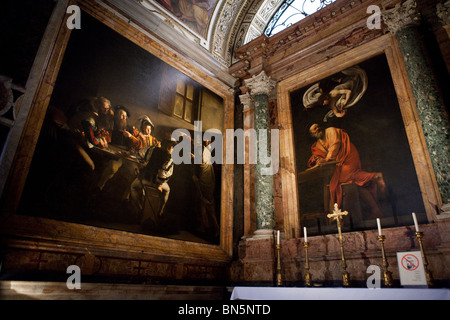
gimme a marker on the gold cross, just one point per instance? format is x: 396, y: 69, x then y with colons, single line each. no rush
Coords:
x: 337, y: 213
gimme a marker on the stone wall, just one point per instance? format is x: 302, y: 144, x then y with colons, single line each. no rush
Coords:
x: 256, y: 262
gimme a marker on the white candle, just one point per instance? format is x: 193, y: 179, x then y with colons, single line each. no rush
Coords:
x: 415, y: 221
x: 278, y: 236
x: 379, y: 226
x: 305, y: 234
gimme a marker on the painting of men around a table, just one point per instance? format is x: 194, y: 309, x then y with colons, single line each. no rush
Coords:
x: 103, y: 157
x: 351, y: 149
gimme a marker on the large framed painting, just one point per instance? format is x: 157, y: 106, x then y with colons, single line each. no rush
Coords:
x: 355, y: 109
x: 101, y: 155
x: 355, y: 142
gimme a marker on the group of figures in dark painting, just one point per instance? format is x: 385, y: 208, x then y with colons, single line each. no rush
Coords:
x: 354, y: 151
x: 92, y: 165
x: 103, y: 156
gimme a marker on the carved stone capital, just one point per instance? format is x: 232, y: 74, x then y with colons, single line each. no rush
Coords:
x: 443, y: 12
x: 247, y: 101
x: 260, y: 84
x: 402, y: 15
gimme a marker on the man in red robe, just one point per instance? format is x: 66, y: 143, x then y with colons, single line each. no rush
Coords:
x: 334, y: 144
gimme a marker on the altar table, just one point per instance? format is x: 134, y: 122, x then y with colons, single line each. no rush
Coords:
x: 292, y: 293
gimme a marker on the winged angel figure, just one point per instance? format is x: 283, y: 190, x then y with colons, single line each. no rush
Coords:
x: 339, y: 92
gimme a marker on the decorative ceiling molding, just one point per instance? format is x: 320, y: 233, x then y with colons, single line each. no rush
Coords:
x: 259, y: 23
x: 252, y: 25
x: 232, y: 25
x: 231, y: 12
x: 169, y: 18
x: 228, y: 27
x: 249, y: 22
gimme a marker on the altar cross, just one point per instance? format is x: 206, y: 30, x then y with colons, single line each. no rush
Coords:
x: 337, y: 213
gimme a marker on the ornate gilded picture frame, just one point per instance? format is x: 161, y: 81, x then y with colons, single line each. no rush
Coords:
x: 40, y: 232
x: 290, y: 95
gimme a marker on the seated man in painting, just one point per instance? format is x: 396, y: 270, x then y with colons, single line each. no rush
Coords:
x: 141, y: 139
x: 120, y: 137
x: 156, y: 174
x: 105, y: 120
x: 333, y: 144
x: 142, y: 143
x: 91, y: 123
x: 92, y: 120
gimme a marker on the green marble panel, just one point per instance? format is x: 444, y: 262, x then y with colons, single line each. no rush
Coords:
x: 430, y: 105
x: 263, y: 183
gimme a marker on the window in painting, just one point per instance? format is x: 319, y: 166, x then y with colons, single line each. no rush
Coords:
x: 184, y: 100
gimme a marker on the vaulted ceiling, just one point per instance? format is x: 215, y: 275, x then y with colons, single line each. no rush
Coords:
x: 219, y: 26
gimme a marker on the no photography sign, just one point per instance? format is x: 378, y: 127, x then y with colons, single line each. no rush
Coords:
x: 411, y: 268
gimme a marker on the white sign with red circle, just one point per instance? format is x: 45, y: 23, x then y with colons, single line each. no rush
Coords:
x: 411, y: 269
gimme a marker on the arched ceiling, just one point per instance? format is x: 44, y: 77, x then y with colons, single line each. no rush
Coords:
x: 207, y: 31
x: 238, y: 23
x: 219, y: 26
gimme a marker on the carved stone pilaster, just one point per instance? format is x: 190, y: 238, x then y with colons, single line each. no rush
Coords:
x: 246, y: 101
x: 401, y: 16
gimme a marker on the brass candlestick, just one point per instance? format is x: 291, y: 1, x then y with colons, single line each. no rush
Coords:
x: 387, y: 275
x: 337, y: 215
x: 279, y: 280
x: 307, y: 277
x: 430, y: 281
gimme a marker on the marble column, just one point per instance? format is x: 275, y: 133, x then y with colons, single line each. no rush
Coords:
x: 260, y: 88
x: 249, y: 174
x: 403, y: 22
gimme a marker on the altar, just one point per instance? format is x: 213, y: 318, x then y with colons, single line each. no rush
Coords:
x: 322, y: 293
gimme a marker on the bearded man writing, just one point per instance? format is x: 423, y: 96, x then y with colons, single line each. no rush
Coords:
x: 333, y: 144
